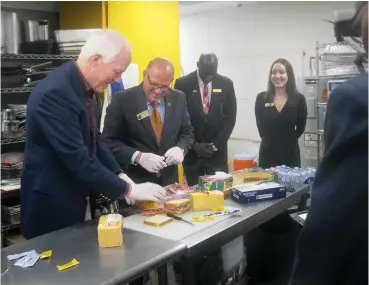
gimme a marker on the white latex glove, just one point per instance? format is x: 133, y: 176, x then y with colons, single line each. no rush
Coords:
x: 174, y: 156
x: 125, y: 177
x: 152, y: 162
x: 147, y: 192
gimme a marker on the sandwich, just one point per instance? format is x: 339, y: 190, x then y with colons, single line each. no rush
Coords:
x: 241, y: 178
x: 149, y: 208
x: 158, y: 220
x: 177, y: 207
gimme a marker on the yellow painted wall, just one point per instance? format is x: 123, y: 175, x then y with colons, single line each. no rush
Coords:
x: 152, y: 28
x: 80, y: 14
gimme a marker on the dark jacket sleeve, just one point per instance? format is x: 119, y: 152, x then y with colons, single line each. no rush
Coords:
x: 229, y: 112
x: 258, y: 113
x: 186, y: 135
x: 59, y: 119
x: 115, y: 131
x: 104, y: 154
x: 301, y: 116
x: 335, y: 233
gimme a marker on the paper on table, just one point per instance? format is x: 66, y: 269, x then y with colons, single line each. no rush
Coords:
x: 303, y: 216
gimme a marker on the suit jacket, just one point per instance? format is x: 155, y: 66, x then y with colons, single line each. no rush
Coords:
x: 128, y: 134
x: 218, y: 125
x: 333, y: 246
x: 60, y: 170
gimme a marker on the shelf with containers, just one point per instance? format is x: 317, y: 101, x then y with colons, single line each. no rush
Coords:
x: 334, y: 63
x: 14, y: 97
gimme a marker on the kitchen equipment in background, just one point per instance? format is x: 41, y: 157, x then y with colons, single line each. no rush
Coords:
x: 11, y: 165
x: 9, y: 129
x: 12, y: 32
x: 10, y: 210
x: 35, y: 30
x: 39, y: 47
x: 71, y: 41
x: 15, y: 75
x: 244, y: 160
x: 8, y: 115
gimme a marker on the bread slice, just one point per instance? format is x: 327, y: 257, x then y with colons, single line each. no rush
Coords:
x: 158, y: 220
x: 176, y: 203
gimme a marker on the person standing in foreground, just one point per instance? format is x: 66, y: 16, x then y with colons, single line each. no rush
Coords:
x: 281, y: 114
x: 333, y: 246
x: 149, y: 128
x: 212, y: 106
x: 65, y: 159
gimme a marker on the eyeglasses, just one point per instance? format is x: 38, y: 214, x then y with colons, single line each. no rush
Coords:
x: 156, y: 86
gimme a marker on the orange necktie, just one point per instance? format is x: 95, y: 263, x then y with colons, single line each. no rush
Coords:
x: 156, y: 122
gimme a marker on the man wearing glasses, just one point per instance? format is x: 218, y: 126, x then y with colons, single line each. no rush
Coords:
x: 148, y: 126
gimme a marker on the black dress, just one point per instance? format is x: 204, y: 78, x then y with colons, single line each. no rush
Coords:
x: 280, y: 131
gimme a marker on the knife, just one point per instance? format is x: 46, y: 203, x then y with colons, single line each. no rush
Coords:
x: 179, y: 218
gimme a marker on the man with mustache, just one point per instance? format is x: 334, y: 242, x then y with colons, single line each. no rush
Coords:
x: 211, y: 103
x: 148, y: 126
x: 333, y: 246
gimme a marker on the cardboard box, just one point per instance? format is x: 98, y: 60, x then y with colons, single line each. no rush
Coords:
x: 255, y: 192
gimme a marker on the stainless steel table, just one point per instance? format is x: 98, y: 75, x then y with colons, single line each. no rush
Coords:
x: 252, y: 216
x: 139, y: 254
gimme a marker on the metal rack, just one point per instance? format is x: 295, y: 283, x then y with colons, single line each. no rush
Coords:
x: 16, y: 90
x: 9, y: 56
x: 6, y: 227
x: 12, y: 140
x: 321, y: 106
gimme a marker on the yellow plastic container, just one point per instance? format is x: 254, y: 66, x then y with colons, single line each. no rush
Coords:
x: 207, y: 201
x: 110, y: 230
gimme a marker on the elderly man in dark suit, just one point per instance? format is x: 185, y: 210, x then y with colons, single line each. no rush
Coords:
x: 211, y: 103
x: 148, y: 126
x: 333, y: 247
x: 66, y: 162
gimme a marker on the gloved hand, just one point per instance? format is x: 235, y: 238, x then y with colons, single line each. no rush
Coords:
x: 204, y: 149
x: 174, y: 156
x: 147, y: 192
x: 152, y: 162
x: 125, y: 177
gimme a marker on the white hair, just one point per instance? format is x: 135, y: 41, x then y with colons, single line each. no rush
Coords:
x: 106, y: 42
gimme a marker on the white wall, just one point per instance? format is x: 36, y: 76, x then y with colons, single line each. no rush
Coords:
x: 247, y: 40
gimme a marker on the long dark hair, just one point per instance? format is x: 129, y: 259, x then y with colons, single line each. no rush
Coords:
x: 291, y: 89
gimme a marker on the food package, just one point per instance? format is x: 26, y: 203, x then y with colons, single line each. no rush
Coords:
x: 158, y: 220
x: 207, y: 201
x: 177, y: 191
x: 255, y: 192
x: 109, y: 230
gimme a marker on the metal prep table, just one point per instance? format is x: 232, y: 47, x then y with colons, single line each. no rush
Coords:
x: 252, y: 216
x: 139, y: 254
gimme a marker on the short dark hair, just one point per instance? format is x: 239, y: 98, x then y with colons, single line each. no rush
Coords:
x: 291, y: 89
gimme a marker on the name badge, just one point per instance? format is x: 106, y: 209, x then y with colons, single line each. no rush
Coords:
x: 194, y: 91
x: 217, y: 90
x: 143, y: 115
x: 269, y: 104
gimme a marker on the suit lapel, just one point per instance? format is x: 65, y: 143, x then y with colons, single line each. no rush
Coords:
x: 196, y: 93
x: 215, y: 98
x: 141, y: 107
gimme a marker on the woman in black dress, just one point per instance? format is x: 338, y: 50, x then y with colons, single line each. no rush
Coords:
x: 280, y: 117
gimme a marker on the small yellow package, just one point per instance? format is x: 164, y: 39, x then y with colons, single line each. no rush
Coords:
x: 206, y: 201
x: 46, y: 254
x: 110, y: 230
x: 70, y: 264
